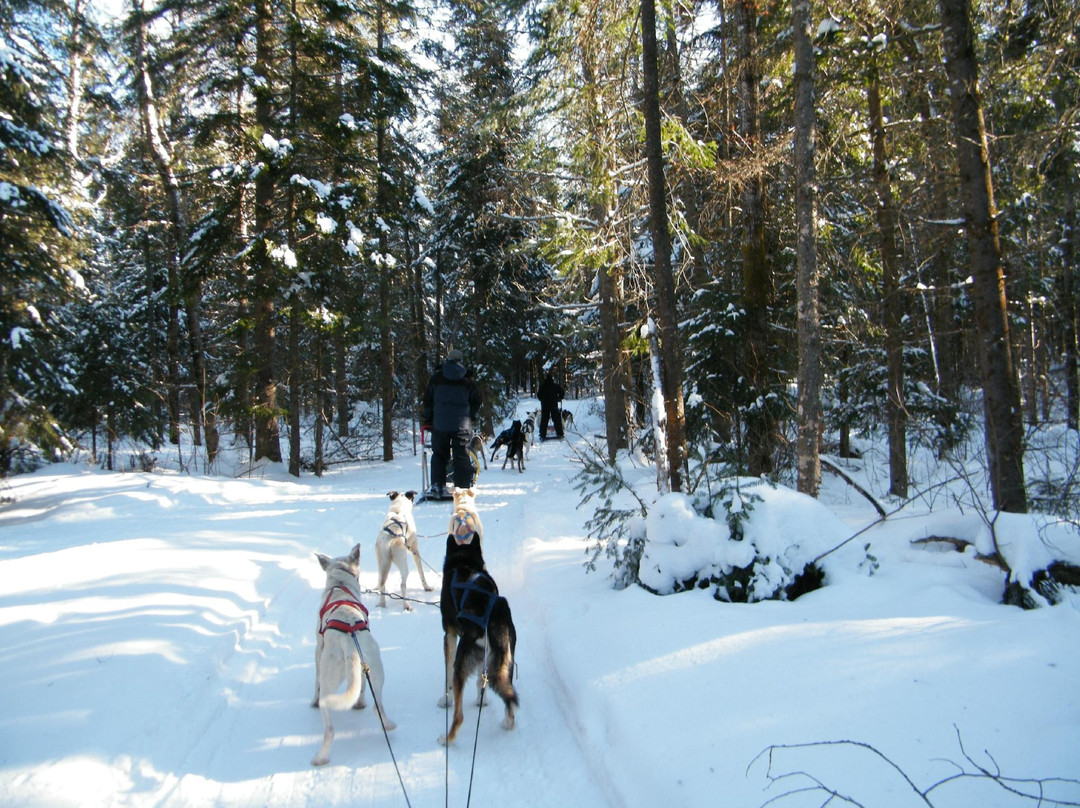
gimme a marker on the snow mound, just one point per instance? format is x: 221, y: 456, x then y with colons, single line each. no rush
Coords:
x: 761, y: 540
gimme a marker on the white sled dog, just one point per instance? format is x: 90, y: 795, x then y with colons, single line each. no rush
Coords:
x: 344, y: 648
x: 396, y: 541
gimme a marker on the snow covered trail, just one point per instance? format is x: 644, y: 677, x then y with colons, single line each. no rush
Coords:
x: 157, y: 634
x: 158, y: 638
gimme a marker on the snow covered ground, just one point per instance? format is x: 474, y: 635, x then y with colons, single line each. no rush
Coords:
x: 157, y: 640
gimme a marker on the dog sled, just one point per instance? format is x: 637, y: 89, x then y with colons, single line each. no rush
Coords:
x: 425, y: 471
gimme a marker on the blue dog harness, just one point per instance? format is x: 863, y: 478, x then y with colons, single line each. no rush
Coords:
x: 460, y: 591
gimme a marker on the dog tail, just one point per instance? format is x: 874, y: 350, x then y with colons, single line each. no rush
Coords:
x: 354, y: 686
x: 502, y: 641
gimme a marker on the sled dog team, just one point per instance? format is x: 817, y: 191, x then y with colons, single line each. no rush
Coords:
x: 478, y: 631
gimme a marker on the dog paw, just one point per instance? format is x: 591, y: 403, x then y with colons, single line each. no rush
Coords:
x: 361, y: 703
x: 509, y: 722
x: 389, y: 725
x: 407, y: 605
x: 444, y: 702
x: 319, y: 761
x: 428, y: 587
x: 442, y: 740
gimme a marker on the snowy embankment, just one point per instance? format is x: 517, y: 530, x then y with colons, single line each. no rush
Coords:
x: 157, y: 640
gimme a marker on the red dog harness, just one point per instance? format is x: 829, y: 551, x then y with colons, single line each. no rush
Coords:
x: 331, y: 604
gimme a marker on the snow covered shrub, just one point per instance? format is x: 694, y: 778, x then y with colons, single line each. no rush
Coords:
x: 765, y: 548
x: 616, y: 521
x: 745, y: 538
x: 29, y: 438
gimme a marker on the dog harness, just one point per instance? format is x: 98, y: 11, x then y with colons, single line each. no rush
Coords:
x: 330, y: 605
x: 460, y: 592
x: 396, y: 527
x: 463, y: 526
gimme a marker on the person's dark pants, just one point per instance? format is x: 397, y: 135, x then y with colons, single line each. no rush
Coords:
x: 447, y: 445
x: 553, y: 414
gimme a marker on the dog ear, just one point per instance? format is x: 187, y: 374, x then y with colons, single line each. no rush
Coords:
x: 324, y: 561
x: 392, y: 494
x: 354, y: 556
x: 411, y: 495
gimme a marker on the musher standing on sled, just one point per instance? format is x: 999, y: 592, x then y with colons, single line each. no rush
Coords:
x: 551, y: 396
x: 449, y: 408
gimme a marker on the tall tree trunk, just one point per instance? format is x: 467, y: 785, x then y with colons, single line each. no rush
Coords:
x: 267, y: 438
x: 295, y: 384
x: 760, y: 419
x: 244, y: 426
x: 159, y: 358
x: 320, y: 404
x: 1030, y: 381
x: 187, y: 289
x: 895, y: 411
x: 385, y: 266
x: 1071, y: 254
x: 341, y: 377
x: 437, y: 343
x: 613, y: 366
x: 685, y: 189
x: 810, y: 418
x: 74, y: 80
x: 615, y: 379
x: 663, y: 278
x: 172, y: 329
x: 939, y: 299
x: 296, y: 307
x: 421, y: 356
x: 1001, y: 388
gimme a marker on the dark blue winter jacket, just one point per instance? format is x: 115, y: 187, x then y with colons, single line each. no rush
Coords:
x: 452, y: 400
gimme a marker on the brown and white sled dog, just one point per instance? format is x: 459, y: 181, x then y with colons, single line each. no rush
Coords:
x: 478, y: 630
x: 396, y: 541
x: 465, y: 519
x: 338, y: 655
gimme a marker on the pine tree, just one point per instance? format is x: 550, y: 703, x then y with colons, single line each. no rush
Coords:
x: 39, y: 271
x: 482, y: 204
x: 1001, y: 395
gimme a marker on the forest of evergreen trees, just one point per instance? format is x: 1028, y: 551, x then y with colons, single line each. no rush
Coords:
x: 229, y: 217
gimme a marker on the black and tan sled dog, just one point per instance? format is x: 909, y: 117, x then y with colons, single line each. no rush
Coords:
x: 476, y: 619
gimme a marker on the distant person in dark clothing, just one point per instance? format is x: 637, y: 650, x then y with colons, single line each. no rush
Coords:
x: 450, y: 406
x: 551, y: 396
